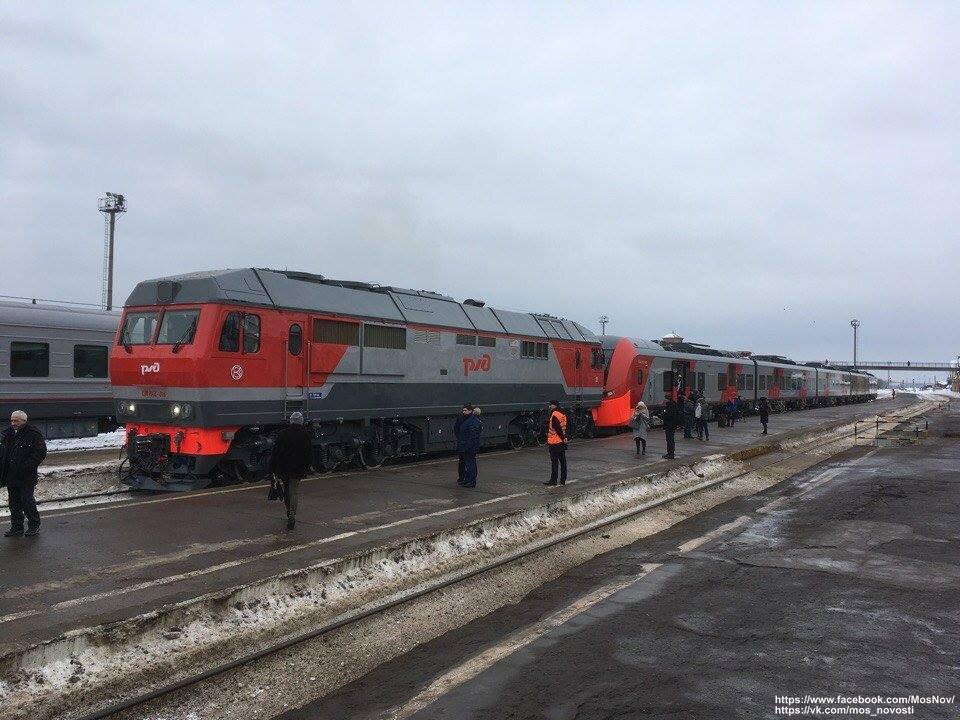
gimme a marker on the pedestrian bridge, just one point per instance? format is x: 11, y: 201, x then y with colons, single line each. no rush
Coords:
x: 891, y: 365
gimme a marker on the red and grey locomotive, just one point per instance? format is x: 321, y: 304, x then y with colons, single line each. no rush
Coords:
x: 208, y: 366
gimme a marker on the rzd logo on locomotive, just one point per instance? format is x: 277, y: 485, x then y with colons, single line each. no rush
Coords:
x: 236, y: 372
x: 480, y: 364
x: 154, y: 368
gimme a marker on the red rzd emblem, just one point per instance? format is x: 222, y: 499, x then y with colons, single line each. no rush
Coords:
x: 480, y: 364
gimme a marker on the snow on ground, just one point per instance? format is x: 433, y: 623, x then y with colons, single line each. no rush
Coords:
x: 102, y: 441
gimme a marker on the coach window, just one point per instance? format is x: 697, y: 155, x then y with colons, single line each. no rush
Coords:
x: 230, y: 334
x: 90, y: 361
x: 484, y: 341
x: 701, y: 381
x: 29, y: 359
x: 295, y: 343
x: 251, y: 333
x: 466, y: 339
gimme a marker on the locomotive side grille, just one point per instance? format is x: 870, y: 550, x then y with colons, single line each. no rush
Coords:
x: 430, y: 337
x: 336, y: 332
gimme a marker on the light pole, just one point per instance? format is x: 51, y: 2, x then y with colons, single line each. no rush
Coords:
x: 854, y: 324
x: 603, y: 324
x: 110, y: 206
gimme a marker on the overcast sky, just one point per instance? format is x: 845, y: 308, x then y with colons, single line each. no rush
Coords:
x: 748, y: 175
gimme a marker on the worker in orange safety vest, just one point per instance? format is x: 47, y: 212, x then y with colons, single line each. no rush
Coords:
x: 557, y: 443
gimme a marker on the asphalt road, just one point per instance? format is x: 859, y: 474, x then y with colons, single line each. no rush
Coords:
x: 95, y: 565
x: 842, y: 581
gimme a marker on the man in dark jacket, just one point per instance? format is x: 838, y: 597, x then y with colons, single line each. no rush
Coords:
x: 290, y: 462
x: 689, y: 411
x: 764, y: 409
x: 464, y: 414
x: 468, y: 445
x: 22, y: 449
x: 672, y: 418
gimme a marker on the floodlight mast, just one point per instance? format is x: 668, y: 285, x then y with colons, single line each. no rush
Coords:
x: 110, y: 206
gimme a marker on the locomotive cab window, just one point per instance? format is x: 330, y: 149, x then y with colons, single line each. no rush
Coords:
x: 29, y: 359
x: 230, y: 333
x: 90, y: 361
x: 597, y: 359
x: 295, y: 342
x: 138, y: 328
x: 178, y: 327
x: 251, y: 333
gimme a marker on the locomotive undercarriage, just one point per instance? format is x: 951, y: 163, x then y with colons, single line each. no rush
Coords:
x: 369, y: 443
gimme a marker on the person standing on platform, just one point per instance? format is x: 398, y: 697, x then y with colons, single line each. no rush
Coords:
x: 557, y: 443
x: 22, y: 449
x: 640, y: 422
x: 689, y: 410
x: 468, y: 445
x: 672, y: 418
x: 764, y: 409
x: 291, y: 461
x: 702, y: 414
x: 464, y: 414
x: 732, y: 412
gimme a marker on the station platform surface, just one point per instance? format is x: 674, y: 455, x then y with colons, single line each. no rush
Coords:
x: 813, y: 597
x: 95, y: 565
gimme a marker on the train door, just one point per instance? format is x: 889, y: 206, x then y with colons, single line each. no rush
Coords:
x: 295, y: 370
x: 681, y: 381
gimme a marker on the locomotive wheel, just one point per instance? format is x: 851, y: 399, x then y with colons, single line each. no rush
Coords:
x: 239, y: 471
x: 370, y: 458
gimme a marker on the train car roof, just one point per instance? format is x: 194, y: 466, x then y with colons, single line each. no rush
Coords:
x: 43, y: 315
x: 679, y: 350
x: 316, y: 293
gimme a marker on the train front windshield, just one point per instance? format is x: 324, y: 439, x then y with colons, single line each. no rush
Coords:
x: 138, y: 328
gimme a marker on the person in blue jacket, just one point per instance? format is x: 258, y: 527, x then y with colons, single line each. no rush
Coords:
x: 468, y: 445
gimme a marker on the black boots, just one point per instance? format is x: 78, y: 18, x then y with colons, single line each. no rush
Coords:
x: 13, y: 532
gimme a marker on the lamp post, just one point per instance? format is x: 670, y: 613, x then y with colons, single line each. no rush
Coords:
x: 854, y: 324
x: 603, y: 324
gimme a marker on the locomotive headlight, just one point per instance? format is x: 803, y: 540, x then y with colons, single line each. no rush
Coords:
x: 130, y: 408
x: 180, y: 410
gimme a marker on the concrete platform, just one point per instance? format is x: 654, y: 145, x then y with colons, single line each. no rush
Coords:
x: 96, y: 565
x: 839, y: 585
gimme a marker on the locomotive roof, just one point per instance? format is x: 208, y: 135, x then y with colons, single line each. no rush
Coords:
x: 57, y: 316
x: 316, y: 293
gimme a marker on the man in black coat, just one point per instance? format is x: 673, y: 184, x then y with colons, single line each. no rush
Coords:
x: 291, y: 461
x: 469, y: 431
x: 764, y: 409
x: 22, y: 449
x: 672, y: 419
x: 465, y: 412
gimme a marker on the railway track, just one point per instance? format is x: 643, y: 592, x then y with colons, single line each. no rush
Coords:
x: 885, y: 422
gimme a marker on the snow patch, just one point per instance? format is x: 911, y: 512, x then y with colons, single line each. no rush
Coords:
x: 100, y: 442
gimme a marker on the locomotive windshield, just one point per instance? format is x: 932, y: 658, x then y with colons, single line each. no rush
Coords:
x: 138, y: 328
x: 178, y: 327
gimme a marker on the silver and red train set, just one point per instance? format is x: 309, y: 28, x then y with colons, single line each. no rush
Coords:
x: 208, y: 366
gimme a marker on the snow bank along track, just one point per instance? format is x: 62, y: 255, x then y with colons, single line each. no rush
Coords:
x: 95, y: 672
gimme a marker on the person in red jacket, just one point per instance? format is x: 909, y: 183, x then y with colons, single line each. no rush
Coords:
x: 557, y: 443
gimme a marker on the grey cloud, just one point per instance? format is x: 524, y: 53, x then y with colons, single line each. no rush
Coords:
x: 750, y: 175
